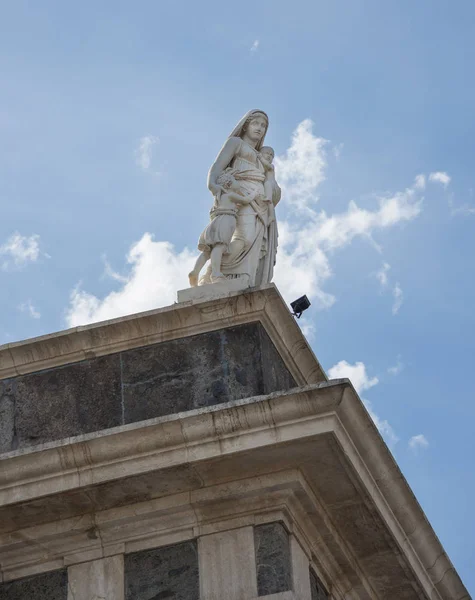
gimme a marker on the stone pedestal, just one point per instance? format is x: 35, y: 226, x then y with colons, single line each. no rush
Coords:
x: 198, y: 452
x: 213, y: 291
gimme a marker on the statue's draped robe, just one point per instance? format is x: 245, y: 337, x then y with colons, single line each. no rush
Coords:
x: 254, y: 246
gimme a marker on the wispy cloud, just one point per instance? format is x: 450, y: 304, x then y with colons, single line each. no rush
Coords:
x: 440, y: 177
x: 109, y: 272
x: 19, y: 250
x: 255, y: 46
x: 361, y: 381
x: 398, y: 296
x: 418, y: 442
x: 144, y: 152
x: 420, y: 182
x: 382, y: 275
x: 28, y: 307
x: 464, y: 210
x: 337, y: 149
x: 397, y: 368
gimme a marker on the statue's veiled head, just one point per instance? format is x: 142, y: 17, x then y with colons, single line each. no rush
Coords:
x: 254, y: 126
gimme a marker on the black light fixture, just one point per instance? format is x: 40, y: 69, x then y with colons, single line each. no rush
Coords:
x: 299, y: 305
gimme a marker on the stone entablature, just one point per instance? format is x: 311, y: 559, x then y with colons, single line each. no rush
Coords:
x: 308, y: 458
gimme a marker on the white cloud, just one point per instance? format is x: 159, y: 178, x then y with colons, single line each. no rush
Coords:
x: 255, y: 46
x: 361, y: 381
x: 355, y: 373
x: 307, y: 327
x: 337, y: 150
x: 144, y: 152
x: 440, y: 177
x: 29, y: 308
x: 420, y: 182
x: 19, y: 250
x: 308, y: 237
x: 382, y: 275
x: 397, y: 368
x: 302, y: 168
x: 398, y: 296
x: 156, y: 273
x: 417, y: 442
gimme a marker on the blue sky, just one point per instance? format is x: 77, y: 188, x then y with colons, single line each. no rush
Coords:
x: 111, y: 114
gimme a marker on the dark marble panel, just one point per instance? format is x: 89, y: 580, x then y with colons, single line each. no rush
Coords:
x: 67, y: 401
x: 273, y: 564
x: 46, y: 586
x: 168, y: 573
x: 317, y: 588
x: 7, y: 417
x: 198, y: 371
x: 275, y: 374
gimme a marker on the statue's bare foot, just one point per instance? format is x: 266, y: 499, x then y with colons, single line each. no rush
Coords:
x: 193, y: 278
x: 215, y: 277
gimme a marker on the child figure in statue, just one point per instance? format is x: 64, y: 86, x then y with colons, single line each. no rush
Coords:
x: 266, y: 156
x: 216, y: 237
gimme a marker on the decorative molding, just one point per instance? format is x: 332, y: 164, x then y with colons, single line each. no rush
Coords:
x: 184, y: 319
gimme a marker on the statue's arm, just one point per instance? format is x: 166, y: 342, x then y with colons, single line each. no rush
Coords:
x: 222, y: 161
x: 276, y: 194
x: 239, y: 198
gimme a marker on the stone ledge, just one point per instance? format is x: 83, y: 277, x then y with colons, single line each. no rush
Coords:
x: 185, y: 319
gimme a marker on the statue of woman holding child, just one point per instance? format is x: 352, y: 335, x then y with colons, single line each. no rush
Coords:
x: 241, y: 239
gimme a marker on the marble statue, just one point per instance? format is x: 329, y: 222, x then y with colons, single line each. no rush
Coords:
x: 240, y: 242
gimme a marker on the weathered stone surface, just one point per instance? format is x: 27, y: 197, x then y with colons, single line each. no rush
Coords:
x: 199, y: 371
x: 101, y: 579
x: 274, y: 570
x: 317, y: 588
x: 228, y: 565
x: 138, y: 488
x: 275, y: 375
x: 46, y: 586
x: 66, y: 401
x: 168, y: 573
x: 138, y: 384
x: 7, y: 419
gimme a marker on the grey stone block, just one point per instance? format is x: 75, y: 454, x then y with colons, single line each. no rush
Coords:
x: 46, y: 586
x: 202, y: 370
x: 66, y: 401
x: 317, y: 588
x: 273, y: 563
x: 7, y: 417
x: 168, y: 573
